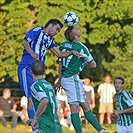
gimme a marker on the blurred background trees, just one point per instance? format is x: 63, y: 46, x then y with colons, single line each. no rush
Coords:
x: 107, y: 27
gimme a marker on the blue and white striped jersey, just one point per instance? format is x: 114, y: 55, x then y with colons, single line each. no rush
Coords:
x: 39, y: 42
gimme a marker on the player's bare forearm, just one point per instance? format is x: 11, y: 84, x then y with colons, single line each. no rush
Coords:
x: 60, y: 54
x: 29, y: 50
x: 60, y: 72
x: 126, y: 111
x: 41, y: 107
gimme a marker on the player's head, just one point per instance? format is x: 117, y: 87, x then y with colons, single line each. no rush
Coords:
x: 118, y: 83
x: 37, y: 67
x: 54, y: 22
x: 6, y: 92
x: 53, y: 27
x: 119, y: 78
x: 107, y: 79
x: 72, y: 33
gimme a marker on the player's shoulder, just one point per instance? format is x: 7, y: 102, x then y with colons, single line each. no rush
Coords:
x: 126, y: 93
x: 35, y: 31
x: 82, y: 45
x: 65, y: 43
x: 37, y: 28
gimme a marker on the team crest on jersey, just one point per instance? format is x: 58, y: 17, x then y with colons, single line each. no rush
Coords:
x: 117, y: 105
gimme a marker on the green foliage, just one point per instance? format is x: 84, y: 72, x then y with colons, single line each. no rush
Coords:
x: 107, y: 31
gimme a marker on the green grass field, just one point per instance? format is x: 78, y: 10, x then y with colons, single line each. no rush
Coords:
x: 23, y: 128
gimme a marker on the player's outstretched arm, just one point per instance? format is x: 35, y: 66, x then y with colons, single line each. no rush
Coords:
x: 60, y: 54
x: 125, y: 111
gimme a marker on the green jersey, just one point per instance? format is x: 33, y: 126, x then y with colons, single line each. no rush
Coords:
x: 39, y: 90
x: 124, y: 101
x: 72, y: 65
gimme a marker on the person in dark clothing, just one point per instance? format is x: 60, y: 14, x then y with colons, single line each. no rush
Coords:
x: 8, y: 107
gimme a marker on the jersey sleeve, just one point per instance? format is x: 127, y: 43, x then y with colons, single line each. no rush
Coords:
x: 128, y: 99
x: 32, y: 34
x: 99, y: 88
x: 87, y: 55
x: 51, y: 44
x: 38, y: 93
x: 114, y: 91
x: 89, y: 58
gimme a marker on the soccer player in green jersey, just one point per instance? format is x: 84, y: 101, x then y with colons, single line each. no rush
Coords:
x: 124, y: 108
x: 44, y: 102
x: 69, y: 69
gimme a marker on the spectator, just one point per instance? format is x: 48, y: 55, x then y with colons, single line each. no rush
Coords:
x: 23, y: 113
x: 8, y: 107
x: 89, y: 92
x: 106, y: 93
x: 124, y: 108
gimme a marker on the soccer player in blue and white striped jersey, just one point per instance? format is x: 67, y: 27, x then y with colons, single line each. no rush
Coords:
x: 36, y: 42
x: 124, y: 108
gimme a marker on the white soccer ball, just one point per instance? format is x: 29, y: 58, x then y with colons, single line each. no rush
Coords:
x: 71, y: 19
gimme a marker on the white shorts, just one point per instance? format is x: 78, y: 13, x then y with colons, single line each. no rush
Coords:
x: 124, y: 129
x: 73, y: 87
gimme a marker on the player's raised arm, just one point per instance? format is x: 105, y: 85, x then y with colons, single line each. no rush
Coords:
x: 60, y: 54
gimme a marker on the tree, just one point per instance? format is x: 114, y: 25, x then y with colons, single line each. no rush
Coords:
x: 107, y: 32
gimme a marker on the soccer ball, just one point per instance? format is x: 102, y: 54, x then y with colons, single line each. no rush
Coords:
x: 71, y: 19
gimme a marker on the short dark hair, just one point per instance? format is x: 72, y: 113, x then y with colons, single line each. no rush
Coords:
x: 68, y: 34
x: 122, y: 79
x: 54, y: 22
x: 37, y: 67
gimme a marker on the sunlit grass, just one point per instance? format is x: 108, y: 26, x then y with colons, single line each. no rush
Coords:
x: 23, y: 128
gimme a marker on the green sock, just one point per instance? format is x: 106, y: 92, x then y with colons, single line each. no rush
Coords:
x: 76, y: 122
x: 93, y: 120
